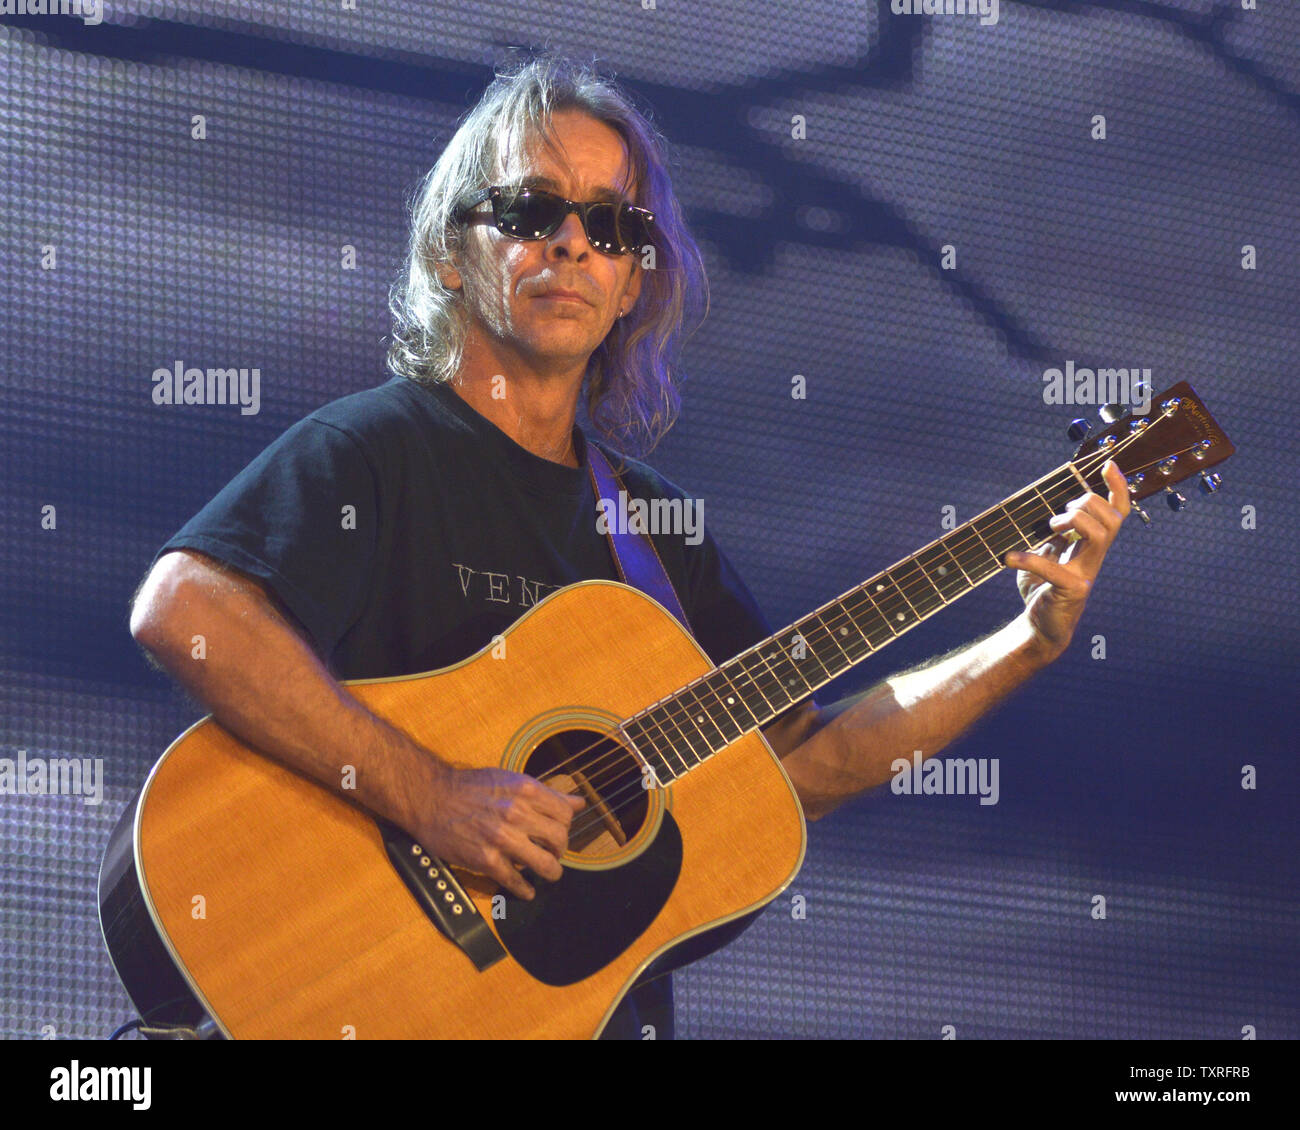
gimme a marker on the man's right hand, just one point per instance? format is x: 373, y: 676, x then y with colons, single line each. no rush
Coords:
x: 494, y: 822
x: 262, y: 681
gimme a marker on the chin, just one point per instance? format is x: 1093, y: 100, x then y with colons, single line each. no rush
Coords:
x: 566, y: 338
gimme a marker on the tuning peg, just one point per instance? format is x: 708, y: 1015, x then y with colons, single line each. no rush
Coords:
x: 1175, y: 500
x: 1146, y: 518
x: 1210, y: 482
x: 1111, y: 412
x: 1078, y: 430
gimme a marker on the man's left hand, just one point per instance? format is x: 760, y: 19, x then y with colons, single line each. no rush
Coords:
x: 1055, y: 580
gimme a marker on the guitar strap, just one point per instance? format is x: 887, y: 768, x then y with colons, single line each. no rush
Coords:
x: 638, y: 562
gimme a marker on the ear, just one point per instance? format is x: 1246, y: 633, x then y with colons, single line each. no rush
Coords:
x: 449, y: 276
x: 633, y: 290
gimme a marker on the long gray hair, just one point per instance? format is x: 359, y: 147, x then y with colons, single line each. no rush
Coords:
x: 631, y: 383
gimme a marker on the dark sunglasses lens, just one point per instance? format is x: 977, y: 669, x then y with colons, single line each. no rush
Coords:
x: 603, y: 231
x: 617, y: 228
x: 530, y: 215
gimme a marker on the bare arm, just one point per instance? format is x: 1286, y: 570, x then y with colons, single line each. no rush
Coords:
x: 833, y: 755
x: 262, y: 681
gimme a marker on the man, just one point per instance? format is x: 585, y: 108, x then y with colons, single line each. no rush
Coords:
x: 401, y: 529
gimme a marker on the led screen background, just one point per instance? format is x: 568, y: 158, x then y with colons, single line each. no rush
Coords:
x: 1119, y: 777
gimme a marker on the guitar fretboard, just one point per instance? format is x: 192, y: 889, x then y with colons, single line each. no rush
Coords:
x: 687, y: 727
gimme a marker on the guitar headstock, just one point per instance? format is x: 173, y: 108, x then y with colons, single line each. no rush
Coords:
x: 1176, y: 439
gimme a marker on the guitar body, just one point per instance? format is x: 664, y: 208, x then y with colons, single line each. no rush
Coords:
x: 282, y: 913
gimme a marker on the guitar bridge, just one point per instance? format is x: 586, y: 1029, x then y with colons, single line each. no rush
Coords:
x: 441, y: 897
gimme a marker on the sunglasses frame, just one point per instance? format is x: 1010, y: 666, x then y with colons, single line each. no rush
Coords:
x: 498, y: 193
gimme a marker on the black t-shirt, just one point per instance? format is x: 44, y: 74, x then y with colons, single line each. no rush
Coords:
x: 403, y: 530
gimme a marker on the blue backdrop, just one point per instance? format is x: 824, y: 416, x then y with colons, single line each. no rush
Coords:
x: 827, y: 153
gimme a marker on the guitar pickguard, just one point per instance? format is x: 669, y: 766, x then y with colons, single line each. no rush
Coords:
x: 577, y: 925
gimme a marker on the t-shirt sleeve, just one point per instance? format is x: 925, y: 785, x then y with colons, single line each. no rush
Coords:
x: 301, y: 518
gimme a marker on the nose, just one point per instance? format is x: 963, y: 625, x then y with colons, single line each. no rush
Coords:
x: 569, y: 239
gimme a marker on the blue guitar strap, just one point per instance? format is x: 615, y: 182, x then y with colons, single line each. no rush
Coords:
x: 638, y: 562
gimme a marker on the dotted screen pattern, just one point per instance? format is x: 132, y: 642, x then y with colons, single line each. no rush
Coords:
x: 1119, y: 777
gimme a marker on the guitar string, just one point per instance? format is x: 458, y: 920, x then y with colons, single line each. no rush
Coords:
x: 844, y: 612
x: 587, y: 819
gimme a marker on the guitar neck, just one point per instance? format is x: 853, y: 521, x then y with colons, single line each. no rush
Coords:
x: 684, y: 729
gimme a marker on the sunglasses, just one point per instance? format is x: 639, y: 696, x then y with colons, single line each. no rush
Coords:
x: 531, y: 213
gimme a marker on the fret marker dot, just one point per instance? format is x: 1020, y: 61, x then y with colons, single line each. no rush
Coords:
x: 943, y: 570
x: 730, y: 700
x: 844, y: 631
x: 899, y: 617
x: 880, y: 588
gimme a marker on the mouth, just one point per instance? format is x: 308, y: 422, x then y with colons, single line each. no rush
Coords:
x: 564, y: 296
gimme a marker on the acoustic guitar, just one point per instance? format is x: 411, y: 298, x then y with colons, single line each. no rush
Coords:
x: 241, y: 899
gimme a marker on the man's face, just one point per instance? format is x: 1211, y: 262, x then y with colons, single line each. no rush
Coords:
x: 505, y: 280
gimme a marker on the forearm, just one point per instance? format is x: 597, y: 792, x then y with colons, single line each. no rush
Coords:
x: 925, y: 709
x: 261, y: 681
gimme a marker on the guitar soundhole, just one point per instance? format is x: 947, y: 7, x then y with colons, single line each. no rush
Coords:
x: 605, y: 774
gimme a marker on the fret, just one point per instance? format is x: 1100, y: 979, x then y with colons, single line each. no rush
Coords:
x: 624, y: 738
x: 832, y: 657
x: 973, y: 554
x: 889, y: 602
x: 974, y: 526
x: 943, y: 571
x: 1028, y: 513
x: 924, y: 597
x: 771, y: 656
x: 801, y: 669
x: 1024, y: 510
x: 755, y: 680
x: 648, y: 747
x: 841, y: 627
x: 696, y: 741
x: 1040, y: 510
x: 1051, y: 499
x: 694, y: 704
x: 667, y: 740
x: 951, y: 548
x: 811, y: 667
x: 719, y: 687
x: 736, y: 690
x: 1006, y: 533
x: 899, y: 581
x: 672, y: 738
x: 1060, y: 493
x: 867, y: 618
